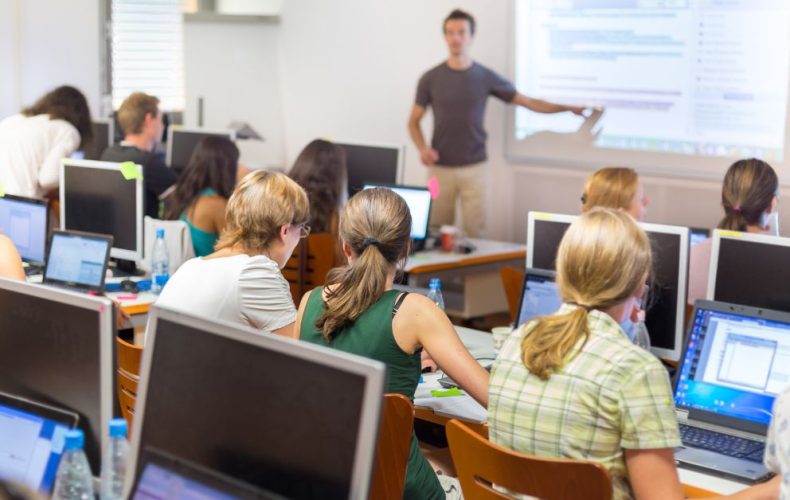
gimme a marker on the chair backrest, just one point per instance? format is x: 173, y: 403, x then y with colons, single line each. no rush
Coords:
x: 177, y: 237
x: 127, y: 394
x: 512, y: 281
x: 129, y: 356
x: 481, y: 464
x: 308, y: 266
x: 392, y: 450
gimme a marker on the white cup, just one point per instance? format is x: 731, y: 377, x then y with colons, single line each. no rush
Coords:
x: 500, y: 334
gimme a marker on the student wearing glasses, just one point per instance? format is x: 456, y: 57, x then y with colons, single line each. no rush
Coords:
x: 241, y: 281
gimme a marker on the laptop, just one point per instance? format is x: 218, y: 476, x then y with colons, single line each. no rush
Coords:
x: 735, y: 362
x: 166, y: 476
x: 32, y: 436
x: 539, y: 295
x: 77, y: 260
x: 26, y: 222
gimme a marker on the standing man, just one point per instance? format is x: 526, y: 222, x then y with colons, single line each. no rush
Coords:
x: 458, y: 89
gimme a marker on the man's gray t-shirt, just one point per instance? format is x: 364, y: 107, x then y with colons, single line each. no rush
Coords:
x: 458, y: 99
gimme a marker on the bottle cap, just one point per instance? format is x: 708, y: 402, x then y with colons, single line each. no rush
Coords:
x: 160, y: 232
x: 118, y: 427
x: 75, y: 440
x: 435, y: 283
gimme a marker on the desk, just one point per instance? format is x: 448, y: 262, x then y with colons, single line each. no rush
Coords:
x: 471, y: 285
x: 439, y: 411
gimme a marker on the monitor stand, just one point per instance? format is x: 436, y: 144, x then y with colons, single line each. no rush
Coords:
x: 126, y: 268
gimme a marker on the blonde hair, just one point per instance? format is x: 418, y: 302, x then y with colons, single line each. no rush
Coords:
x: 134, y: 109
x: 261, y: 204
x: 603, y: 259
x: 611, y: 187
x: 376, y: 224
x: 748, y: 190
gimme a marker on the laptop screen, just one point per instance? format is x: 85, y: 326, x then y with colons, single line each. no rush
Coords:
x: 419, y: 202
x: 31, y: 447
x: 25, y: 223
x: 77, y: 259
x: 734, y: 365
x: 158, y: 482
x: 539, y: 297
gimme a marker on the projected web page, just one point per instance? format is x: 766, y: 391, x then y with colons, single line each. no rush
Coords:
x: 701, y: 77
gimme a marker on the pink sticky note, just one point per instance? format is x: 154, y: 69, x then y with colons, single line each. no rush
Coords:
x: 433, y: 187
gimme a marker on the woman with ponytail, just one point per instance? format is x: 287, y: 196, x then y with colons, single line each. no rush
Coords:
x: 359, y: 312
x: 749, y: 196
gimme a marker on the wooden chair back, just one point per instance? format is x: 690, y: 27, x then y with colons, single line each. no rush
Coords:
x: 128, y: 375
x: 512, y: 281
x: 481, y: 464
x: 308, y: 266
x: 392, y: 449
x: 129, y: 356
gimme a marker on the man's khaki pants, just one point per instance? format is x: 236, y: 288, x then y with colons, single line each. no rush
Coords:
x: 466, y: 183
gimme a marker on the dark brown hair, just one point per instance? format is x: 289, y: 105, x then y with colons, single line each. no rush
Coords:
x: 459, y: 14
x: 69, y: 104
x: 134, y: 109
x: 321, y: 170
x: 747, y: 192
x: 213, y: 165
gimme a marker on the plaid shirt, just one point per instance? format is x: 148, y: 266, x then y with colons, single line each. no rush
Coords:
x: 777, y: 450
x: 608, y: 396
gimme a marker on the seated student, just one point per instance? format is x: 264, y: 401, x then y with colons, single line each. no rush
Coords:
x: 203, y: 189
x: 777, y: 449
x: 241, y: 282
x: 10, y: 262
x: 572, y: 385
x: 618, y: 188
x: 33, y: 143
x: 141, y: 121
x: 321, y: 170
x: 749, y: 196
x: 359, y: 312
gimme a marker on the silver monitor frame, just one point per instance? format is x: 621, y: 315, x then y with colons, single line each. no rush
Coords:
x: 174, y: 129
x: 548, y: 216
x: 118, y: 253
x: 373, y: 397
x: 104, y: 307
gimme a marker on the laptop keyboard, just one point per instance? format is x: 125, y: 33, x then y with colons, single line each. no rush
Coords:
x: 722, y: 443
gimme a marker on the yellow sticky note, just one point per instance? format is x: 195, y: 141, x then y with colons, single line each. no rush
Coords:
x: 731, y: 234
x: 130, y: 171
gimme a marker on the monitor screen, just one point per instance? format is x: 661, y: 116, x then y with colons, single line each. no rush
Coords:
x: 753, y: 273
x: 96, y: 198
x: 269, y: 416
x: 57, y: 348
x: 368, y: 164
x: 77, y: 259
x: 102, y: 139
x: 546, y: 238
x: 182, y: 142
x: 735, y: 365
x: 25, y: 222
x: 539, y: 297
x: 419, y: 201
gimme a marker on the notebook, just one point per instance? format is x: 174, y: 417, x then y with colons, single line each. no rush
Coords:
x: 166, y: 476
x: 26, y: 222
x: 32, y: 436
x: 77, y: 260
x: 539, y: 295
x: 736, y: 361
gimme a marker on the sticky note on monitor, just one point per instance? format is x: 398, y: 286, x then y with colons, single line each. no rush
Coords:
x: 130, y: 171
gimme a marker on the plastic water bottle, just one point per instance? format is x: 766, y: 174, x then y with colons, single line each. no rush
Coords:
x: 160, y: 263
x: 641, y: 335
x: 74, y: 480
x: 435, y: 292
x: 113, y: 464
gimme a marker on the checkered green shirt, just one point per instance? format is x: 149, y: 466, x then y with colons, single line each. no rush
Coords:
x: 609, y: 396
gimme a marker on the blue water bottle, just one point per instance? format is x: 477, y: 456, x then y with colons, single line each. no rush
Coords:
x: 160, y: 263
x: 435, y: 292
x: 74, y: 480
x: 113, y: 464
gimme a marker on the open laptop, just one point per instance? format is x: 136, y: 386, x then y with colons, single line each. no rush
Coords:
x: 77, y: 260
x: 539, y: 295
x: 166, y: 476
x: 736, y: 361
x: 26, y: 222
x: 32, y: 436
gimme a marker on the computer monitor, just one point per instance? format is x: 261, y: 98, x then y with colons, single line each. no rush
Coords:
x: 666, y: 303
x: 103, y: 138
x: 96, y: 197
x: 58, y: 349
x: 372, y: 164
x: 419, y: 201
x: 181, y: 142
x: 539, y: 295
x: 750, y: 269
x: 26, y: 222
x: 292, y: 418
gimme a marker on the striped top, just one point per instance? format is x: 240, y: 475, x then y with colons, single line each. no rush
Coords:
x: 610, y: 395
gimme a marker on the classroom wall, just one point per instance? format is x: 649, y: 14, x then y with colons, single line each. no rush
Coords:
x: 349, y: 70
x: 8, y: 60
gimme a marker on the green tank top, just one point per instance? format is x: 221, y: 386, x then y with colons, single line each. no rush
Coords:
x: 371, y: 336
x: 202, y: 241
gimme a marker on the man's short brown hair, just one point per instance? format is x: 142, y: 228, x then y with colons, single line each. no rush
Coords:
x: 132, y: 113
x: 460, y: 15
